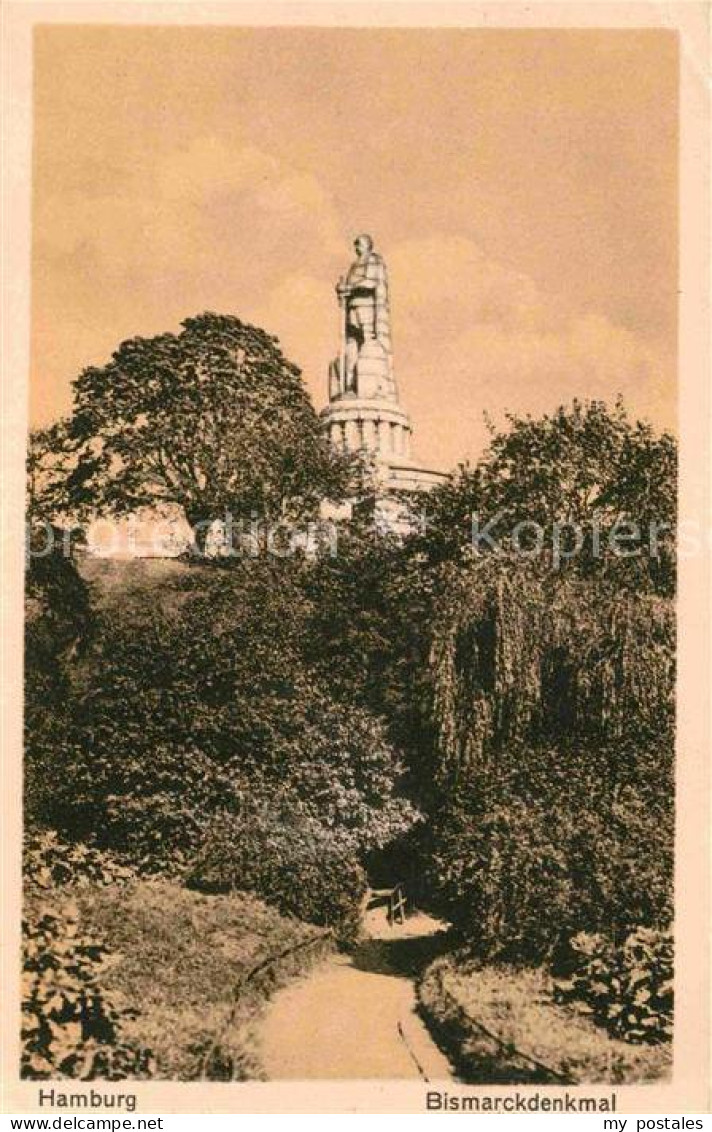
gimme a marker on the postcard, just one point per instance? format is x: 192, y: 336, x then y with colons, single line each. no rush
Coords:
x: 356, y: 559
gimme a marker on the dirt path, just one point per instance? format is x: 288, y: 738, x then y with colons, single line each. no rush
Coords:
x: 353, y: 1017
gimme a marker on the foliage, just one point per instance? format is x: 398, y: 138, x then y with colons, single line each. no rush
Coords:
x: 628, y: 989
x: 213, y: 419
x: 289, y: 859
x: 58, y: 626
x: 565, y: 840
x: 586, y: 465
x: 516, y: 692
x: 58, y: 609
x: 552, y: 697
x: 71, y: 1026
x: 518, y: 656
x: 555, y: 759
x: 48, y: 464
x: 48, y: 862
x: 184, y: 711
x: 395, y: 624
x: 368, y: 633
x: 500, y: 875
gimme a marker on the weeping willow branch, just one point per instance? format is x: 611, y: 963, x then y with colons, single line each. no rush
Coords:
x: 518, y: 656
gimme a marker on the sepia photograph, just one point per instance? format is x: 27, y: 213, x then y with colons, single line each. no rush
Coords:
x: 350, y: 697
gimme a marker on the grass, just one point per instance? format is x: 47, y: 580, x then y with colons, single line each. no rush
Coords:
x: 500, y: 1025
x: 178, y: 957
x: 122, y: 581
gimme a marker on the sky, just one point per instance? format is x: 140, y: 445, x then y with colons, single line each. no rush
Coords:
x: 521, y: 186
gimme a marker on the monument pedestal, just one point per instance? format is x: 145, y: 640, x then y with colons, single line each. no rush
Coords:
x: 380, y: 427
x: 382, y: 430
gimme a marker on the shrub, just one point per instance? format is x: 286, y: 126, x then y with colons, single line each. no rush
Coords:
x: 627, y: 989
x: 553, y: 845
x: 287, y: 858
x: 71, y: 1026
x: 181, y: 712
x: 499, y: 875
x: 48, y: 862
x: 58, y: 626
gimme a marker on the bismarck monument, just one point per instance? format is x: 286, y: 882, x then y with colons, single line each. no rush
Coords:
x: 364, y: 412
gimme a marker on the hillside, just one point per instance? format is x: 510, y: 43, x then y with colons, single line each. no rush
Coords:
x: 177, y: 958
x: 124, y: 579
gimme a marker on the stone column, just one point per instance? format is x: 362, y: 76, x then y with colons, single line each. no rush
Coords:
x: 352, y: 437
x: 379, y: 436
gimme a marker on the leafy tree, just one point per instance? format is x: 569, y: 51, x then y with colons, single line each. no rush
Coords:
x: 368, y: 634
x: 214, y: 419
x: 47, y: 465
x: 376, y: 606
x: 585, y: 466
x: 58, y: 626
x: 521, y: 657
x: 553, y: 701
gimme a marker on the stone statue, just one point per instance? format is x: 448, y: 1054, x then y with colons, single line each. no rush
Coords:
x: 365, y: 367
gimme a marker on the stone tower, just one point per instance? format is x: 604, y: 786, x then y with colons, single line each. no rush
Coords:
x: 364, y: 412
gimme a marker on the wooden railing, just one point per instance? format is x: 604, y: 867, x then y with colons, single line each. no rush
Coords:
x: 396, y: 905
x: 394, y: 900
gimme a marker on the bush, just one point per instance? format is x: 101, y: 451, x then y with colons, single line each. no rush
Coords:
x: 500, y: 877
x: 552, y: 845
x: 287, y: 858
x: 627, y: 989
x: 180, y: 712
x: 71, y: 1026
x: 48, y: 862
x: 58, y: 626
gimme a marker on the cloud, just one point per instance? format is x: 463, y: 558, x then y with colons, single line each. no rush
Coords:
x: 206, y: 227
x: 450, y: 281
x: 201, y: 208
x: 236, y: 229
x: 302, y: 311
x: 473, y: 335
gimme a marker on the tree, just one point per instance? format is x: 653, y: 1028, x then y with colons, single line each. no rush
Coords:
x: 586, y: 467
x: 213, y: 420
x: 368, y: 636
x: 554, y: 710
x: 47, y: 466
x: 58, y: 627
